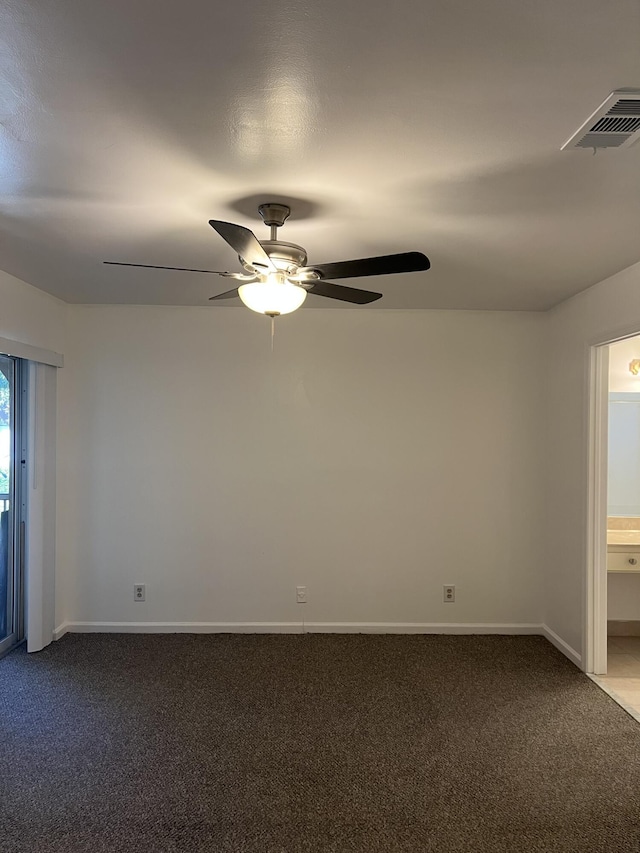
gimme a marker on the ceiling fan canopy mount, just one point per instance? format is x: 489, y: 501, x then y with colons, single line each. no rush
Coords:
x: 273, y: 214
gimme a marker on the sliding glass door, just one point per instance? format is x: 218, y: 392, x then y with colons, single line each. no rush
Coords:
x: 11, y: 527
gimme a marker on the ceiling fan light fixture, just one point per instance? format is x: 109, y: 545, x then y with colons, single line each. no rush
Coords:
x: 273, y: 297
x: 277, y: 278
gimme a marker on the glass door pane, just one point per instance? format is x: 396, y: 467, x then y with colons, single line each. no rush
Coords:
x: 9, y: 580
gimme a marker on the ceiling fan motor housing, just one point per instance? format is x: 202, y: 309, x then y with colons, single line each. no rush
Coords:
x: 287, y: 257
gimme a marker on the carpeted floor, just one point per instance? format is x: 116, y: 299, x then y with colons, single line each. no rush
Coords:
x: 330, y: 744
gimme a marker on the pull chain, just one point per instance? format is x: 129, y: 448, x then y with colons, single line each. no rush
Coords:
x: 273, y: 331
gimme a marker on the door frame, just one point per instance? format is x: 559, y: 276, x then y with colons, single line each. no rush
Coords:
x: 595, y: 652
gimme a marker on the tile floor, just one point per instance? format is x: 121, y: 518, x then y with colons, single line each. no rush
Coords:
x: 622, y: 680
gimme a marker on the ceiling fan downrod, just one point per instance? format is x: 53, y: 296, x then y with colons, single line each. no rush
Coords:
x: 274, y: 215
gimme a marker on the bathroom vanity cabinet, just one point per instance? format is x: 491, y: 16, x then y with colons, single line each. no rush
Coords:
x: 623, y: 558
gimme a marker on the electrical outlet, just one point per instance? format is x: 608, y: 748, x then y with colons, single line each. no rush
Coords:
x: 448, y: 593
x: 138, y: 592
x: 301, y: 594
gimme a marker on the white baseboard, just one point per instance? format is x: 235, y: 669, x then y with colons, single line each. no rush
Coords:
x: 563, y: 647
x: 184, y: 627
x: 60, y: 631
x: 296, y: 628
x: 420, y: 628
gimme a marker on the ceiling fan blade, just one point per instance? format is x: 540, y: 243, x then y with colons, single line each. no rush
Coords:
x: 228, y: 294
x: 344, y: 294
x: 154, y: 267
x: 244, y: 243
x: 384, y: 265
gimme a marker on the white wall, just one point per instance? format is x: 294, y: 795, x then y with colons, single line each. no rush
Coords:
x: 606, y: 311
x: 373, y: 457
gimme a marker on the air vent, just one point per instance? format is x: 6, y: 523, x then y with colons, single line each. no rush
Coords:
x: 602, y: 140
x: 615, y: 124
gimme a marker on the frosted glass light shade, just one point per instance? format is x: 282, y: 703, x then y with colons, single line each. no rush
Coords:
x: 272, y: 297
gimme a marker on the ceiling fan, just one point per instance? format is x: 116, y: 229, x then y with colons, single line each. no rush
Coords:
x: 277, y: 277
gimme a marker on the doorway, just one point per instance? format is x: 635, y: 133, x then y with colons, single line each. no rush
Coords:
x: 11, y: 504
x: 615, y: 520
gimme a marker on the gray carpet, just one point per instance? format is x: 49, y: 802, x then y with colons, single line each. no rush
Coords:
x: 330, y: 744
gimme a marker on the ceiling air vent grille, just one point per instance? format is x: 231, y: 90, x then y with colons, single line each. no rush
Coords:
x: 615, y: 124
x: 625, y: 107
x: 602, y: 140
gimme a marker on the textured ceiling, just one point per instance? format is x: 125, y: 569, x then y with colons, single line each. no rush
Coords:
x: 125, y: 126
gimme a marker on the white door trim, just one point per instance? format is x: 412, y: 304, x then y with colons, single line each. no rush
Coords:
x: 595, y: 635
x: 40, y: 545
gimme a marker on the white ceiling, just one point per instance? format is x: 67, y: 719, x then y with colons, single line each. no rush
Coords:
x: 125, y: 126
